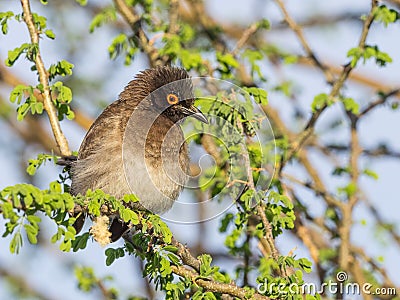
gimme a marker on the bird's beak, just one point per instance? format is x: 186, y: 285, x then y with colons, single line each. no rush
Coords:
x: 194, y: 112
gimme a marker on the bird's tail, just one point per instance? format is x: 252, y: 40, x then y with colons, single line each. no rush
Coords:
x: 78, y: 213
x: 67, y: 161
x: 117, y: 227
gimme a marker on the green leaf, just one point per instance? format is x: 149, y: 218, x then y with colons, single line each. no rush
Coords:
x: 34, y: 164
x: 62, y: 68
x: 39, y: 107
x: 349, y: 189
x: 80, y: 242
x: 385, y: 15
x: 351, y: 105
x: 4, y: 27
x: 170, y: 248
x: 50, y: 34
x: 64, y: 97
x: 326, y: 254
x: 254, y: 56
x: 174, y: 259
x: 382, y: 58
x: 123, y: 44
x: 189, y: 59
x: 33, y: 219
x: 230, y: 240
x: 320, y: 101
x: 31, y: 233
x: 128, y: 198
x: 218, y: 276
x: 290, y: 59
x: 247, y: 199
x: 225, y: 222
x: 82, y: 2
x: 105, y: 16
x: 340, y: 171
x: 368, y: 52
x: 371, y: 174
x: 56, y: 237
x: 4, y: 17
x: 263, y: 24
x: 64, y: 93
x: 209, y: 296
x: 205, y: 265
x: 227, y: 61
x: 160, y: 228
x: 129, y: 216
x: 40, y: 21
x: 260, y: 95
x: 16, y: 243
x: 198, y: 295
x: 17, y: 93
x: 22, y: 111
x: 355, y: 53
x: 66, y: 245
x: 305, y: 264
x: 165, y: 267
x: 13, y: 55
x: 110, y: 254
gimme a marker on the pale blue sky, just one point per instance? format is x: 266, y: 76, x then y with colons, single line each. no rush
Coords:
x: 46, y: 268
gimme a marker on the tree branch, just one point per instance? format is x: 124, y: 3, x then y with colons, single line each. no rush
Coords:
x: 61, y: 141
x: 338, y: 84
x: 299, y: 32
x: 133, y: 19
x: 381, y: 100
x: 211, y: 285
x: 22, y: 285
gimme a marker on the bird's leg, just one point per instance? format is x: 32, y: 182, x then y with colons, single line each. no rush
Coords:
x: 80, y: 216
x: 117, y: 228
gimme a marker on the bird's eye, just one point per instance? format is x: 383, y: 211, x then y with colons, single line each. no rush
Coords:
x: 172, y: 99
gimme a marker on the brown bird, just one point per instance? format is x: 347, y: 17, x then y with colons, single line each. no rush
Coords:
x: 136, y: 145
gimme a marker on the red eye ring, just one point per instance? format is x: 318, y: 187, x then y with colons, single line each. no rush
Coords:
x: 172, y: 99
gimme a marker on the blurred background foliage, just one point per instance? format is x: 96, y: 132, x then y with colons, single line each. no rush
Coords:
x: 331, y: 72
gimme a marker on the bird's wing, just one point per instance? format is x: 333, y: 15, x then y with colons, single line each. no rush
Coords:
x: 111, y: 123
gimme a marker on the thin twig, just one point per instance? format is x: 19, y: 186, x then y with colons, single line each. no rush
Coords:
x: 268, y: 237
x: 338, y: 84
x: 107, y: 294
x: 355, y: 76
x: 378, y: 102
x: 299, y: 32
x: 245, y: 37
x: 23, y: 286
x: 200, y: 16
x: 133, y: 20
x: 329, y: 198
x: 173, y: 14
x: 31, y: 131
x: 380, y: 150
x: 235, y: 32
x: 186, y: 256
x: 357, y: 251
x: 347, y: 209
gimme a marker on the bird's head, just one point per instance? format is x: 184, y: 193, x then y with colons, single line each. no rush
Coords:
x: 168, y: 90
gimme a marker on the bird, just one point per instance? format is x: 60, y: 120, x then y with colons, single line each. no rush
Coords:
x: 136, y: 145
